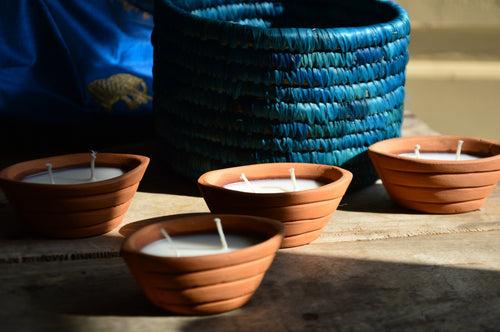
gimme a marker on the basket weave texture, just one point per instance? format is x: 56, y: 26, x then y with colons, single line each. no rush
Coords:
x: 242, y: 82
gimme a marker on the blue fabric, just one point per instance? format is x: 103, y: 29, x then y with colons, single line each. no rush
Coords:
x: 51, y: 51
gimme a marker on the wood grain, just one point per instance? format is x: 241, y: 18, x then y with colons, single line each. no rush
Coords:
x: 375, y: 267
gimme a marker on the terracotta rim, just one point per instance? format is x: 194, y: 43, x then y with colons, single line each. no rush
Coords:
x: 130, y: 163
x: 131, y: 245
x: 490, y: 149
x: 342, y: 177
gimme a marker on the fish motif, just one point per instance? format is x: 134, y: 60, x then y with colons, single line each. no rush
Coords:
x: 130, y: 89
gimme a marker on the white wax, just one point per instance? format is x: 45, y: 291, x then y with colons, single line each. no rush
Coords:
x: 75, y: 175
x: 269, y: 186
x: 440, y: 156
x: 197, y: 245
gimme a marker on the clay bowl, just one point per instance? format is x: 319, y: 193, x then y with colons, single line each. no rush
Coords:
x: 73, y: 210
x: 433, y: 186
x: 203, y: 284
x: 303, y: 213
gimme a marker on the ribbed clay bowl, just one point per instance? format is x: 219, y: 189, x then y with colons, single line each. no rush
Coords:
x: 73, y: 210
x: 303, y: 213
x: 436, y: 186
x: 203, y: 284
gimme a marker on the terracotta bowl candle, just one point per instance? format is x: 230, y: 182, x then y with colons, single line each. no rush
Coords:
x: 304, y: 208
x: 438, y: 174
x: 192, y: 272
x: 76, y: 195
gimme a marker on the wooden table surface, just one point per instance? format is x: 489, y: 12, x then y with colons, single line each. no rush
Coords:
x: 376, y: 266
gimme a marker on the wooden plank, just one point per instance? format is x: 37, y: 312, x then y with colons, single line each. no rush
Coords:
x: 376, y: 266
x: 365, y: 215
x: 443, y: 282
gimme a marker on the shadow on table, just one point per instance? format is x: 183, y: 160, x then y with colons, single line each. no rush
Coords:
x: 159, y: 177
x: 299, y: 292
x: 317, y: 293
x: 372, y: 199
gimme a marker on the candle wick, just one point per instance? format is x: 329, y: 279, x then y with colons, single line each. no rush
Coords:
x: 459, y: 150
x: 93, y: 156
x: 417, y: 151
x: 249, y: 184
x: 51, y: 175
x: 222, y: 237
x: 294, y: 180
x: 170, y: 242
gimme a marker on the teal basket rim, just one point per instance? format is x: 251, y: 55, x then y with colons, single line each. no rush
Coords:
x: 298, y: 39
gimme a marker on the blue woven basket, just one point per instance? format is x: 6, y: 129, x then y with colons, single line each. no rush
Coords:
x: 249, y: 81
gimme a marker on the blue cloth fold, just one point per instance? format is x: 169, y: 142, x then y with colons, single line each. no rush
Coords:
x: 58, y: 58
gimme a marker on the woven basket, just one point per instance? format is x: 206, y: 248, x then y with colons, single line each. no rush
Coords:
x: 236, y: 84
